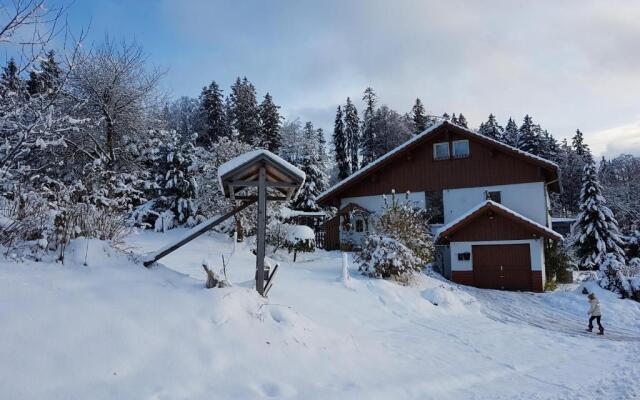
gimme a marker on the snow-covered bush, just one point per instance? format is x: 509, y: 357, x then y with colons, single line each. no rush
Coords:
x: 620, y: 278
x: 294, y: 238
x: 403, y: 221
x: 558, y: 264
x: 386, y: 257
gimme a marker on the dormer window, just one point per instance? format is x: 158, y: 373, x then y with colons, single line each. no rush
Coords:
x: 441, y: 151
x: 460, y: 148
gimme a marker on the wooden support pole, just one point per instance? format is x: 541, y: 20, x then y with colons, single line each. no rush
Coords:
x: 262, y: 228
x: 195, y: 232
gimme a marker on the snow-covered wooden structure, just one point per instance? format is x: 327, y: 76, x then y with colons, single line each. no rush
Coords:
x: 256, y: 176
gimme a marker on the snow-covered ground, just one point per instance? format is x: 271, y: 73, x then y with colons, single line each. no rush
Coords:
x: 115, y: 330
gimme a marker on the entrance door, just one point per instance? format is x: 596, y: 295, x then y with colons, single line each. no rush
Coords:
x: 504, y: 266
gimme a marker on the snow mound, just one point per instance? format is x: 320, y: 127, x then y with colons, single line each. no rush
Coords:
x: 449, y: 298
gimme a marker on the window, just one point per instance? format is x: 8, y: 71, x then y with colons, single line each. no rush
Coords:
x: 359, y: 225
x: 494, y: 196
x: 435, y: 207
x: 441, y: 151
x: 460, y: 148
x: 464, y: 256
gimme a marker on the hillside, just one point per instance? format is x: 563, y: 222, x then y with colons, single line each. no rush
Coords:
x: 113, y: 330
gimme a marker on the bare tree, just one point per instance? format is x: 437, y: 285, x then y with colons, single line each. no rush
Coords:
x: 119, y: 92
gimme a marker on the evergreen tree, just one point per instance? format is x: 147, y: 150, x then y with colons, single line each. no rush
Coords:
x: 214, y: 116
x: 462, y: 121
x: 419, y: 117
x: 270, y: 125
x: 596, y: 230
x: 511, y: 134
x: 305, y: 199
x: 454, y: 119
x: 322, y: 160
x: 549, y: 147
x: 352, y: 134
x: 245, y: 111
x: 341, y: 146
x: 529, y: 136
x: 491, y: 128
x: 179, y: 182
x: 368, y: 133
x: 10, y: 78
x: 48, y: 78
x: 580, y: 147
x: 446, y: 117
x: 390, y: 131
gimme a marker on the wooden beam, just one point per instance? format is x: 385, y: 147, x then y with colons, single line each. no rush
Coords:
x: 268, y: 184
x: 261, y: 234
x: 195, y: 232
x: 270, y: 198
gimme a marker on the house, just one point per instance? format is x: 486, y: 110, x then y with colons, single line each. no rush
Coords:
x: 488, y: 202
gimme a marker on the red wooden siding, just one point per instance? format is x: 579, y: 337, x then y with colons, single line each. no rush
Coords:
x: 462, y: 277
x: 332, y: 234
x: 492, y: 226
x: 416, y: 170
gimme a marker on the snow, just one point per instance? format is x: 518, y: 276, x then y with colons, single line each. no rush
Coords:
x: 420, y: 136
x: 249, y: 156
x: 500, y: 206
x: 114, y: 329
x: 286, y: 212
x: 297, y: 233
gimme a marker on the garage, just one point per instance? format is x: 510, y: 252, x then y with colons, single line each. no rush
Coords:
x: 503, y: 266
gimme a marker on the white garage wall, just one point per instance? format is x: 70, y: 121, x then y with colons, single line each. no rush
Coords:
x: 528, y: 199
x: 536, y: 248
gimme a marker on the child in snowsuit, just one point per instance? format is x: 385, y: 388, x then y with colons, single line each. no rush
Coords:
x: 594, y: 313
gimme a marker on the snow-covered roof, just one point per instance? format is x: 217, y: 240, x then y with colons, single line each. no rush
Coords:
x: 420, y: 137
x: 247, y: 160
x: 489, y: 204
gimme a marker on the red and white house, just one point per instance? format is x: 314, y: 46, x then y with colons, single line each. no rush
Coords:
x: 489, y: 204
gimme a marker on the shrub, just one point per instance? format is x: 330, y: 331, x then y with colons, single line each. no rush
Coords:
x: 294, y: 238
x: 558, y: 264
x: 386, y: 257
x: 403, y: 221
x: 619, y: 277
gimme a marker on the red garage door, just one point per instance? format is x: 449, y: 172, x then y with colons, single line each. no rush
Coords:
x: 504, y: 266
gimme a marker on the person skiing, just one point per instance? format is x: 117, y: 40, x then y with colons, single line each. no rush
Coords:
x: 594, y: 313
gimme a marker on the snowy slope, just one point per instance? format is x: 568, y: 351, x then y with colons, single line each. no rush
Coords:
x: 114, y: 330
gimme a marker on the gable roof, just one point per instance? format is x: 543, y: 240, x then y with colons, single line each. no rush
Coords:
x: 245, y: 168
x: 459, y: 223
x: 425, y: 135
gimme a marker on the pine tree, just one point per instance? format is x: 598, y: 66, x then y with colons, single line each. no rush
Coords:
x: 580, y: 147
x: 305, y: 199
x: 322, y: 160
x: 511, y: 135
x: 341, y: 146
x: 454, y: 119
x: 549, y: 147
x: 270, y: 122
x: 491, y: 128
x: 214, y: 116
x: 10, y: 78
x: 368, y: 133
x: 48, y: 78
x: 529, y: 136
x: 179, y: 182
x: 245, y: 111
x: 419, y: 117
x: 462, y: 121
x: 446, y: 117
x: 596, y: 231
x: 352, y: 134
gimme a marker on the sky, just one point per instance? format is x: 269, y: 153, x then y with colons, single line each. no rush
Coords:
x: 569, y: 64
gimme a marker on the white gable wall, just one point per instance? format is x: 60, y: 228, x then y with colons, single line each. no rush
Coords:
x: 528, y: 199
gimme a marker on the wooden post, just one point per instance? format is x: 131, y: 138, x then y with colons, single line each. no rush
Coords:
x: 262, y: 216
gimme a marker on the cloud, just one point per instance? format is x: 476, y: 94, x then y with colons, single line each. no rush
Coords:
x: 570, y: 64
x: 614, y: 141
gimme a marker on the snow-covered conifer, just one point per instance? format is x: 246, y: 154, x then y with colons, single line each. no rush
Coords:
x: 491, y: 128
x: 352, y: 134
x: 341, y: 146
x: 245, y: 111
x: 368, y: 137
x: 511, y: 134
x: 596, y: 230
x: 419, y: 117
x: 212, y: 109
x: 270, y: 122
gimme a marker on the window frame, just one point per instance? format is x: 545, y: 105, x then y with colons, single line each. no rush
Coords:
x: 453, y: 148
x: 489, y: 197
x: 435, y: 152
x: 360, y: 223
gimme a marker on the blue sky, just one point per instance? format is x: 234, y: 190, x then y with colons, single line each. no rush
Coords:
x: 571, y: 64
